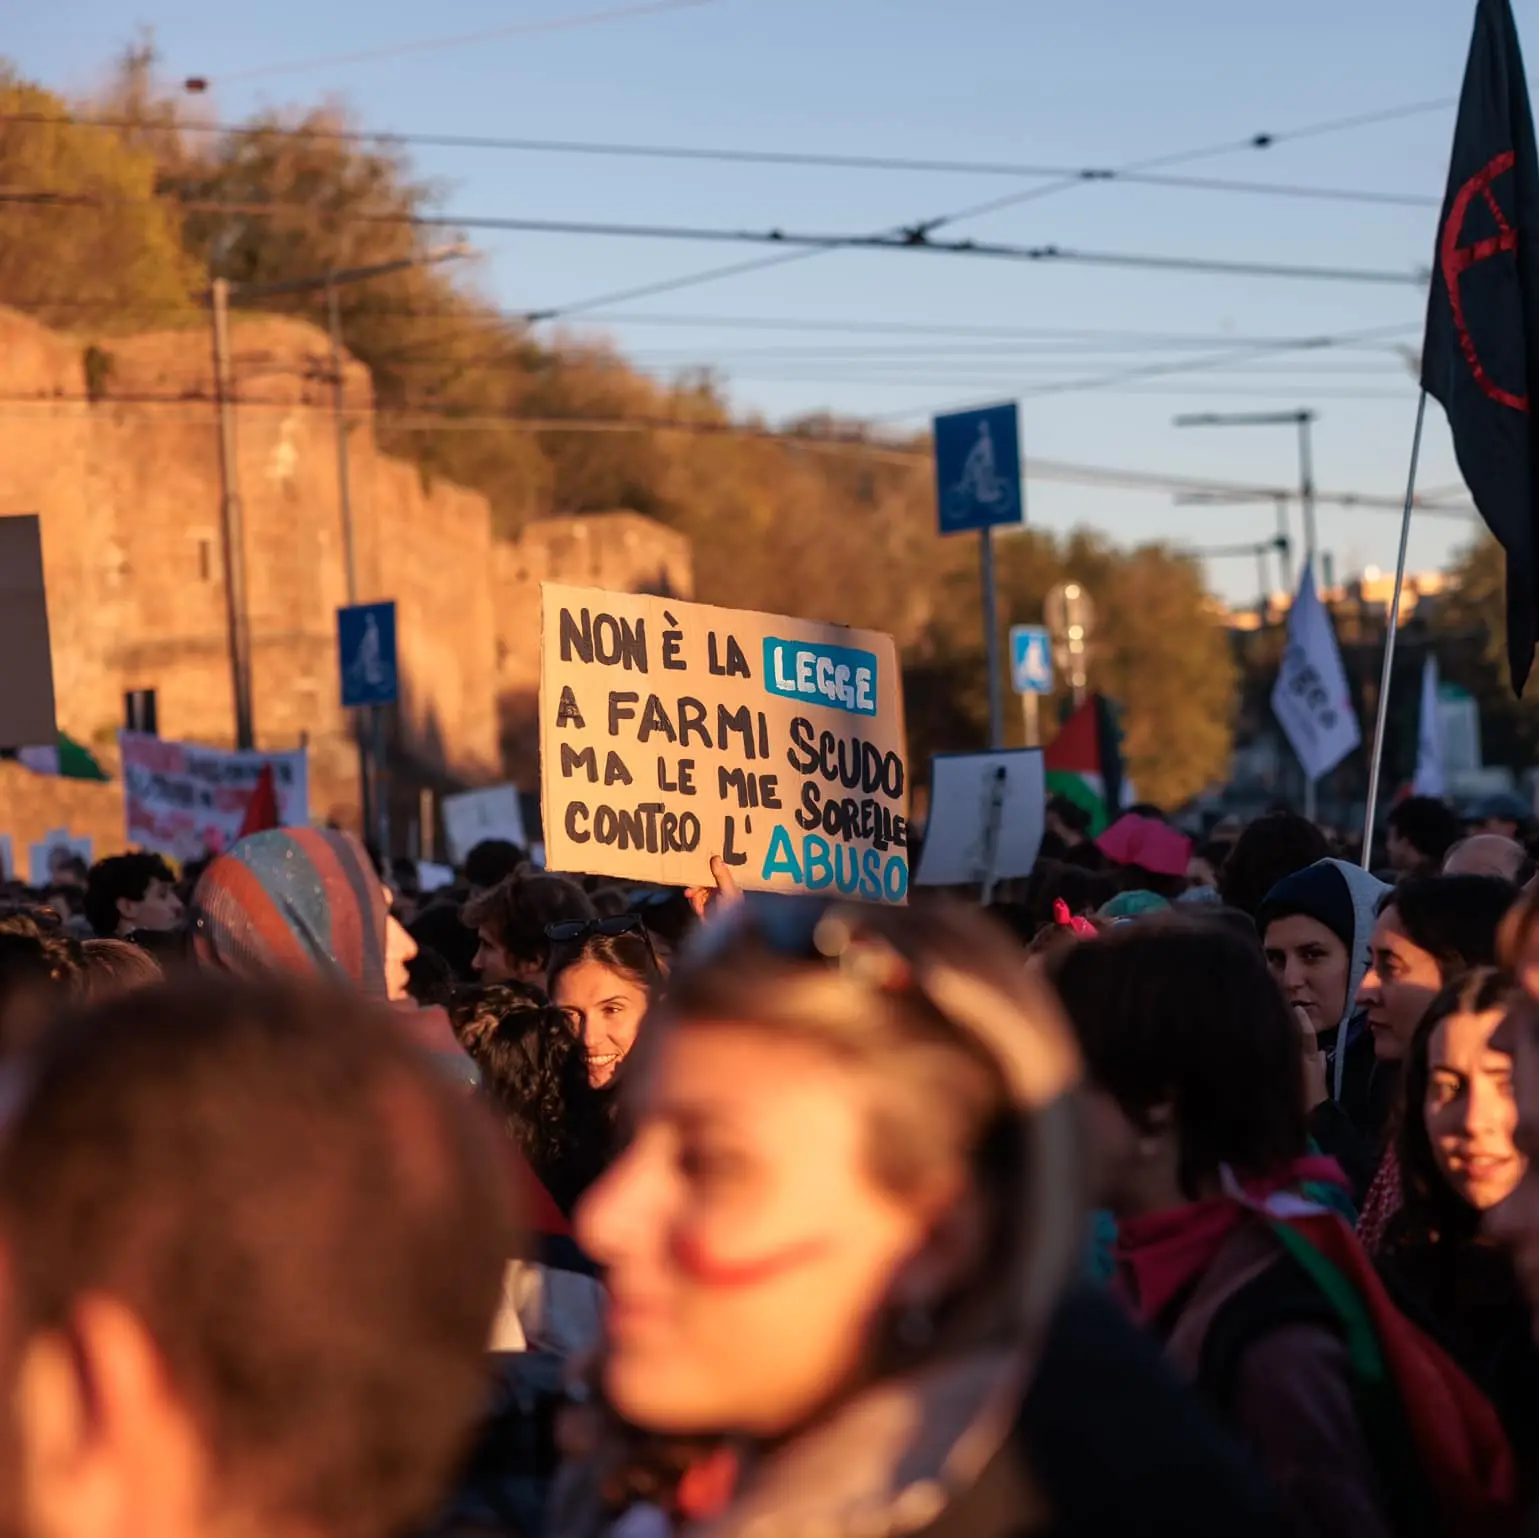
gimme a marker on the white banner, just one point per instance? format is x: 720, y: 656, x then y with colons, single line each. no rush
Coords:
x: 1430, y: 780
x: 1311, y: 699
x: 186, y: 801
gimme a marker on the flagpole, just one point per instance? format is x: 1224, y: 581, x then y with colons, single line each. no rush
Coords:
x: 1376, y: 763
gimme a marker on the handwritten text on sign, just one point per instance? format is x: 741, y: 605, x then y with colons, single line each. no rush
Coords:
x: 671, y: 732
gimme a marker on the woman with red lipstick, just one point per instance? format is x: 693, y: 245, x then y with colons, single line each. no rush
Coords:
x: 841, y: 1238
x: 1458, y: 1161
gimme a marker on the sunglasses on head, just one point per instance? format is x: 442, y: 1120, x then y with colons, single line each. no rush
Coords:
x: 575, y: 931
x: 585, y: 929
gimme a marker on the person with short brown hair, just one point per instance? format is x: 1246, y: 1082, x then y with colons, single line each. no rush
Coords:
x: 252, y: 1247
x: 510, y: 922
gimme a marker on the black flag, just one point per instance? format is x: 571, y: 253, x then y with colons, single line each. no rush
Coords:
x: 1481, y: 354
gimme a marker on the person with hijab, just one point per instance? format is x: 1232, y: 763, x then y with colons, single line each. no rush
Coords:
x: 1315, y: 927
x: 309, y: 901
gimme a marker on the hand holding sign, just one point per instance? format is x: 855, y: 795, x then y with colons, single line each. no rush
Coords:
x: 726, y: 892
x: 669, y: 730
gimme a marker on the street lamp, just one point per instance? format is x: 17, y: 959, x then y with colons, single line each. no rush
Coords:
x: 1303, y: 420
x: 1070, y: 618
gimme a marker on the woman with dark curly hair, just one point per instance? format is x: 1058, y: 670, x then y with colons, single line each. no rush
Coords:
x: 535, y: 1073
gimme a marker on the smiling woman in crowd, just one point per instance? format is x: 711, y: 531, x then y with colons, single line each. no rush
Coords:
x: 1458, y: 1161
x: 1429, y: 931
x: 604, y: 975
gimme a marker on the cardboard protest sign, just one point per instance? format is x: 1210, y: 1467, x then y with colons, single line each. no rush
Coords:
x: 671, y: 732
x: 185, y: 801
x: 26, y: 680
x: 987, y: 817
x: 473, y: 816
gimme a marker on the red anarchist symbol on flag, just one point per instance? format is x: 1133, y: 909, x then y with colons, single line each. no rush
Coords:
x: 1457, y: 260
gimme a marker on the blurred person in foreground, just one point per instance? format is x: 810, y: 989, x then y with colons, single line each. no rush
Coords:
x: 1259, y: 1293
x: 252, y: 1248
x: 1458, y: 1161
x: 511, y: 919
x: 841, y: 1241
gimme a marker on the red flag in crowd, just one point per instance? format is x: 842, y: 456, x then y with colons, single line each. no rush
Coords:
x: 262, y: 809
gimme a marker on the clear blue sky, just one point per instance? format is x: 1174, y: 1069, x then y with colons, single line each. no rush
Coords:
x: 1092, y: 82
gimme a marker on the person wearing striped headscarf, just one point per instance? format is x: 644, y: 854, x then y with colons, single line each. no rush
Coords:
x: 308, y: 901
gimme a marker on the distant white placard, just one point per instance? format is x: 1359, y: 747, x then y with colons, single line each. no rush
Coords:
x: 477, y: 815
x: 978, y: 800
x: 433, y: 878
x: 55, y: 846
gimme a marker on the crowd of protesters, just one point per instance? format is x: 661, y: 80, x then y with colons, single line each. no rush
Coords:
x: 1185, y: 1192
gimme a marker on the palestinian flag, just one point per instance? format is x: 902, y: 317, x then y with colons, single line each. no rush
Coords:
x: 65, y: 759
x: 1084, y: 762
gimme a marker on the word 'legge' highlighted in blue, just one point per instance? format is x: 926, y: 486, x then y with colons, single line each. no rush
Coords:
x: 836, y: 676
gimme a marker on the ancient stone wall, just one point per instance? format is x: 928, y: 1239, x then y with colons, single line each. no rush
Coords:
x: 127, y: 486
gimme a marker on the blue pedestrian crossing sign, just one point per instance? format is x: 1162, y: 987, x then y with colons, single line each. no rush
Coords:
x: 366, y: 647
x: 1031, y: 659
x: 978, y: 469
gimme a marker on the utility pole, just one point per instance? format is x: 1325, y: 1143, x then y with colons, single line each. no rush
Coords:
x: 366, y: 769
x: 238, y: 617
x: 1284, y: 557
x: 237, y: 620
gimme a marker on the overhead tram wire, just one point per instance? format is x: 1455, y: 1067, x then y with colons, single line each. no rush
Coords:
x: 387, y: 51
x: 1256, y: 142
x: 913, y: 239
x: 1076, y: 178
x: 770, y: 158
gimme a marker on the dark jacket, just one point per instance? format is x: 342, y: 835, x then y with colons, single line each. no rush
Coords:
x: 1106, y: 1444
x: 1261, y: 1344
x: 1109, y: 1445
x: 1354, y: 1130
x: 1465, y: 1295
